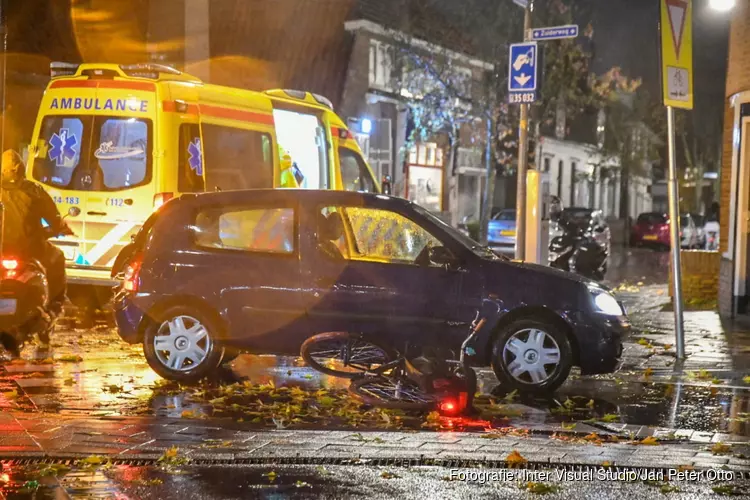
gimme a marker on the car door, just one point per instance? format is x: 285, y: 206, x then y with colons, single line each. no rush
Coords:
x: 247, y: 255
x: 381, y: 283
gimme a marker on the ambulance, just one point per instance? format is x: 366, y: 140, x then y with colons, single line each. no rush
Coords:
x: 112, y: 143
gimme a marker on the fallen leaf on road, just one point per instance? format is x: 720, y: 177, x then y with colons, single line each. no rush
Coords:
x: 746, y: 379
x: 649, y: 441
x: 389, y: 475
x: 515, y: 459
x: 70, y: 358
x: 668, y: 488
x: 590, y: 404
x: 606, y: 463
x: 568, y: 426
x: 667, y: 347
x: 648, y: 372
x: 611, y: 417
x: 720, y: 448
x: 703, y: 374
x: 511, y: 396
x: 727, y: 490
x: 47, y: 361
x: 271, y: 476
x: 17, y: 362
x: 69, y: 381
x: 683, y: 468
x: 539, y: 488
x: 593, y: 438
x: 11, y: 395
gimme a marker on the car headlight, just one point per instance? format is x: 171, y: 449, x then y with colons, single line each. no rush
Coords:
x: 605, y: 303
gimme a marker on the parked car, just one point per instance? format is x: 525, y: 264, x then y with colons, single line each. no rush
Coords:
x: 263, y: 270
x: 652, y: 229
x: 501, y: 232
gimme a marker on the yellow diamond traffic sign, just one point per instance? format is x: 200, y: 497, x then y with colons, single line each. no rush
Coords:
x: 677, y: 53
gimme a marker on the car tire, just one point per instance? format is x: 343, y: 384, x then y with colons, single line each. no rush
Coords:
x: 230, y: 354
x: 189, y: 338
x: 521, y: 337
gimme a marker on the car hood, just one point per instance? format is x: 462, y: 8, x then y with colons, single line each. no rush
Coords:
x: 537, y: 285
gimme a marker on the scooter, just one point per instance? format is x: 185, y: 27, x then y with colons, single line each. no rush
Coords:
x: 24, y: 300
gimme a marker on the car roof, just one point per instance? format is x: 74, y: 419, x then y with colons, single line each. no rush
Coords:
x: 312, y: 196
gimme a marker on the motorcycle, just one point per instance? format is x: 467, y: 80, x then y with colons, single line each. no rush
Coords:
x: 24, y: 300
x: 578, y: 250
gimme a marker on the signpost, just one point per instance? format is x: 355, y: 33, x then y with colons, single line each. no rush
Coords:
x: 555, y: 33
x: 524, y: 81
x: 677, y: 82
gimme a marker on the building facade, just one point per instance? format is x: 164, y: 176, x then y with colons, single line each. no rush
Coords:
x: 581, y: 177
x: 734, y: 214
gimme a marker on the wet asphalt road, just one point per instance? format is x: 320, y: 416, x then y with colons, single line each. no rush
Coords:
x: 356, y: 482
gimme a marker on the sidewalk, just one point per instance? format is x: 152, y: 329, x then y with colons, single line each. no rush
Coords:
x: 145, y: 439
x: 710, y: 344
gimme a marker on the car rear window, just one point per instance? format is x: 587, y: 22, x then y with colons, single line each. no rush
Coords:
x: 94, y: 153
x: 266, y: 230
x: 652, y: 219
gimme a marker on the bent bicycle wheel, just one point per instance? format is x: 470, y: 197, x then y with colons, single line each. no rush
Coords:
x: 396, y: 394
x: 341, y: 354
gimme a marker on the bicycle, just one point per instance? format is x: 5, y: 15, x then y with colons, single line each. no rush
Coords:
x: 382, y: 378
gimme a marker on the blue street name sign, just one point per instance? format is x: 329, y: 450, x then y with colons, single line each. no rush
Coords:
x: 555, y: 32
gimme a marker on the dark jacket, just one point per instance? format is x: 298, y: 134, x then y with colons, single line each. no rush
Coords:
x: 25, y: 204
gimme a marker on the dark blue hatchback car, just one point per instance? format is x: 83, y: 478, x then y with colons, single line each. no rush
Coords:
x: 262, y: 270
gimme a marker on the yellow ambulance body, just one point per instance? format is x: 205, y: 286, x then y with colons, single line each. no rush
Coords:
x: 118, y: 141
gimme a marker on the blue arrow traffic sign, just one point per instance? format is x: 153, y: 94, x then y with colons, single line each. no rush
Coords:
x: 523, y: 72
x: 555, y: 32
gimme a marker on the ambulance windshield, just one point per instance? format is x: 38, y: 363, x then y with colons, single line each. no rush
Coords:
x: 302, y: 136
x: 93, y: 153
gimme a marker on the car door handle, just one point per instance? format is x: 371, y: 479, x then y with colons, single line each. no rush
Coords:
x: 96, y: 213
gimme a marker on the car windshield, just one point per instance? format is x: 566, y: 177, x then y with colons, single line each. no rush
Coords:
x: 507, y: 215
x: 475, y: 247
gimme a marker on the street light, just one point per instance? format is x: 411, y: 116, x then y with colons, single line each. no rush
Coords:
x: 722, y: 5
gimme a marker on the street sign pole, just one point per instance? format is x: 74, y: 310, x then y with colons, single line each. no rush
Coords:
x: 674, y: 238
x: 677, y: 82
x: 523, y: 159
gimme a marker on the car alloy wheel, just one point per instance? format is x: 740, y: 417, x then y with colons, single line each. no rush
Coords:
x: 182, y: 343
x: 531, y: 356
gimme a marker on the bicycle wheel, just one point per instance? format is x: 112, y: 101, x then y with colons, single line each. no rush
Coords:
x: 341, y: 354
x: 397, y: 394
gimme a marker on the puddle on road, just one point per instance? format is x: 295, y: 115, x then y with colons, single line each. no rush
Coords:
x: 95, y: 374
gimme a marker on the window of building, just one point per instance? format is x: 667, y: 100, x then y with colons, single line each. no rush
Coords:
x: 267, y: 230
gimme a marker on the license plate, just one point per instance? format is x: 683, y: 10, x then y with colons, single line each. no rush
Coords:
x: 508, y: 233
x: 651, y: 237
x: 7, y: 307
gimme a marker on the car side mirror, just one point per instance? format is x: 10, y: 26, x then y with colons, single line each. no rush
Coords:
x: 441, y: 256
